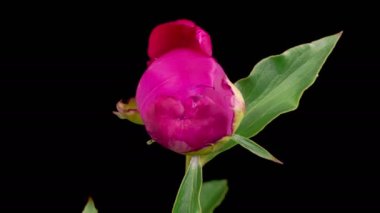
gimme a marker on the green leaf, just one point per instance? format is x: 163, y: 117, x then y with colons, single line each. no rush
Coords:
x: 226, y: 145
x: 188, y: 196
x: 212, y: 194
x: 90, y: 207
x: 254, y: 148
x: 276, y: 83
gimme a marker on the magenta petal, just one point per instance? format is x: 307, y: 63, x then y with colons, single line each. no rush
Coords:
x: 185, y: 101
x: 178, y: 34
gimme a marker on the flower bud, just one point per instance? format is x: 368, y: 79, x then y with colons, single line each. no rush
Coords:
x: 185, y: 99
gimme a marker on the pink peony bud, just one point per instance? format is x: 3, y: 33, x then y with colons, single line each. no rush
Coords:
x: 185, y: 99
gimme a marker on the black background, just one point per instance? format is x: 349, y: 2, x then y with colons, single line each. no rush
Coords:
x: 64, y: 67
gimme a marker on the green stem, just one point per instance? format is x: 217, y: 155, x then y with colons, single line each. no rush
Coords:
x: 188, y: 196
x: 188, y: 159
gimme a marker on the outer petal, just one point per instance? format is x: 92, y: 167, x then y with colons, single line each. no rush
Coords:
x: 185, y: 101
x: 178, y: 34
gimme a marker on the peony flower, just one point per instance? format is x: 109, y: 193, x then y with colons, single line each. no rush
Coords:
x: 184, y: 98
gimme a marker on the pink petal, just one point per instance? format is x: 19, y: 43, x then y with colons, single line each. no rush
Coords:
x: 185, y: 101
x: 178, y: 34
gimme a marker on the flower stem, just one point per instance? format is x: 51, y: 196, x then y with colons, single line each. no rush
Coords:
x: 188, y: 196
